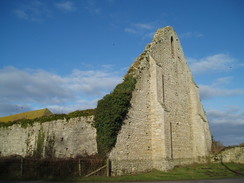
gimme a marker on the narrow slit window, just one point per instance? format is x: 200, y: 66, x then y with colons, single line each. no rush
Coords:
x: 171, y: 141
x: 163, y: 89
x: 172, y: 47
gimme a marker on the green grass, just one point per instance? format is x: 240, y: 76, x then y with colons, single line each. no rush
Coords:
x: 26, y: 115
x: 190, y: 172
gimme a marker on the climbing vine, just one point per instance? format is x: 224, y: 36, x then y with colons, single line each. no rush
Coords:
x: 110, y: 113
x: 40, y: 144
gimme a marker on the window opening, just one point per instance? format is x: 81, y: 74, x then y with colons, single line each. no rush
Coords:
x: 172, y: 47
x: 163, y: 89
x: 171, y: 141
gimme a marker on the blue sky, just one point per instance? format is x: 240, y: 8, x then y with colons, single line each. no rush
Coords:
x: 67, y: 54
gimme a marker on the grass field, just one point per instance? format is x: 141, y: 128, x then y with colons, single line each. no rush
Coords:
x: 26, y: 115
x: 196, y: 171
x: 189, y: 172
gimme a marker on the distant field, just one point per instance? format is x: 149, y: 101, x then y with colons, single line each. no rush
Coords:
x: 208, y: 171
x: 26, y: 115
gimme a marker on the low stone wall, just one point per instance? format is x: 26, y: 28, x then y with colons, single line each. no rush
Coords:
x: 59, y: 138
x: 234, y: 155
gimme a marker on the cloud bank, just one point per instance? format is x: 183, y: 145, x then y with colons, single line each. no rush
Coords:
x: 208, y: 92
x: 227, y: 125
x: 146, y: 30
x: 80, y: 89
x: 219, y: 88
x: 213, y: 63
x: 232, y: 115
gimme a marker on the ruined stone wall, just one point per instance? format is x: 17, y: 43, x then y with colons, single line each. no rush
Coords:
x: 173, y: 88
x: 60, y: 138
x: 230, y: 155
x: 187, y: 131
x: 166, y: 124
x: 133, y: 150
x: 200, y: 128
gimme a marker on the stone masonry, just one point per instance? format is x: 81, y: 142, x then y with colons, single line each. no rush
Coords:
x: 54, y: 139
x: 231, y: 154
x: 166, y: 124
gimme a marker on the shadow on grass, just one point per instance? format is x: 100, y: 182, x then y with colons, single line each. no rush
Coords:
x: 228, y: 168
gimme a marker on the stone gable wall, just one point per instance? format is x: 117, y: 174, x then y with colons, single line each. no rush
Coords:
x: 60, y: 139
x: 166, y: 123
x: 132, y: 152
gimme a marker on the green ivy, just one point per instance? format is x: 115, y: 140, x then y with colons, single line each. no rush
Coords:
x: 88, y: 112
x: 110, y: 114
x: 40, y: 144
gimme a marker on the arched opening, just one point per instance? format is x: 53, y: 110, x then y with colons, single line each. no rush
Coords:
x: 172, y: 47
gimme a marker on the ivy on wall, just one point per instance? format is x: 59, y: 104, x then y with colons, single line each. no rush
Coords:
x: 40, y: 144
x: 110, y: 113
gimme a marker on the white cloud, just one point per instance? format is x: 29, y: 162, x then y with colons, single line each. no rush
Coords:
x: 227, y: 133
x: 233, y: 116
x: 208, y: 92
x: 218, y: 89
x: 42, y: 88
x: 223, y: 81
x: 29, y: 86
x: 142, y: 29
x: 34, y: 11
x: 93, y: 82
x: 79, y: 105
x: 227, y: 125
x: 107, y: 66
x: 66, y: 6
x: 149, y: 35
x: 130, y: 30
x: 214, y: 63
x: 188, y: 35
x: 146, y: 26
